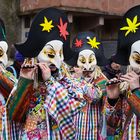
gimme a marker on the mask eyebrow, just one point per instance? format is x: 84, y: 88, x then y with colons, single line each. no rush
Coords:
x: 51, y: 46
x: 92, y: 54
x: 81, y: 55
x: 136, y: 52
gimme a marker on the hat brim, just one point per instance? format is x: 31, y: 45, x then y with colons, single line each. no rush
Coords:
x: 25, y: 49
x: 122, y: 58
x: 73, y: 60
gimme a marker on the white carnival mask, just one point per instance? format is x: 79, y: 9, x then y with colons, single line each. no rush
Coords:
x: 3, y: 52
x: 134, y: 58
x: 52, y: 53
x: 87, y: 60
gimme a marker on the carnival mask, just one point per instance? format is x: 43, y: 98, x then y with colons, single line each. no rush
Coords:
x: 134, y: 58
x: 3, y: 51
x: 87, y: 61
x: 52, y: 54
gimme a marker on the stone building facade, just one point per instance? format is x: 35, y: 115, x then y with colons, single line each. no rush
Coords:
x: 100, y: 16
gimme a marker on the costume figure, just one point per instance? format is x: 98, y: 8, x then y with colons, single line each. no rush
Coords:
x: 127, y: 105
x: 87, y: 59
x: 7, y: 80
x: 47, y: 110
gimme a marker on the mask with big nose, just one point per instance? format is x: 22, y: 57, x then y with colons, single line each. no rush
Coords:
x: 52, y: 54
x: 88, y: 53
x: 87, y: 61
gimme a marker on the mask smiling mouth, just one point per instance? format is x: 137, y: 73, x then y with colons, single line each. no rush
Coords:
x: 87, y: 73
x: 54, y: 69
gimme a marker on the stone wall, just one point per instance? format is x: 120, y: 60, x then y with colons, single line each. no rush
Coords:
x: 8, y: 12
x: 111, y: 7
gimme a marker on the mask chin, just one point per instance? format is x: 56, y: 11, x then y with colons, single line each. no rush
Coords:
x: 54, y: 69
x: 87, y: 73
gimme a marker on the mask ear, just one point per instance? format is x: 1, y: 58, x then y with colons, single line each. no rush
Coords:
x: 4, y: 46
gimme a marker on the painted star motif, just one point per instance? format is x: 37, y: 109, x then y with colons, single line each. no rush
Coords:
x: 47, y: 25
x: 93, y: 43
x: 132, y: 25
x: 63, y: 29
x: 78, y: 43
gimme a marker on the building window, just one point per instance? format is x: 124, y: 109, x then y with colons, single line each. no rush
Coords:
x: 27, y: 21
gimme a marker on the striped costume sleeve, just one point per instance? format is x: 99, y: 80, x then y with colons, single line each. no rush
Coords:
x: 134, y: 102
x: 15, y: 109
x: 18, y: 101
x: 100, y: 81
x: 7, y: 81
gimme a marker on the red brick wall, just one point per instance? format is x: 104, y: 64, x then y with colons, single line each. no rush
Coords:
x: 112, y: 7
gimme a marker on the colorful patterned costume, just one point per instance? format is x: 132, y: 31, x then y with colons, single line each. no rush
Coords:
x: 58, y: 101
x: 47, y: 111
x: 89, y: 120
x: 125, y: 113
x: 7, y: 80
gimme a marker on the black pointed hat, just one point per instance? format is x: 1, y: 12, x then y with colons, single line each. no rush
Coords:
x: 49, y: 24
x: 2, y: 31
x: 87, y: 41
x: 128, y: 34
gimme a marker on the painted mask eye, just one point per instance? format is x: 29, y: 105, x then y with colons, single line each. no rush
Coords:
x: 61, y: 53
x: 44, y: 51
x: 51, y: 55
x: 1, y: 52
x: 91, y: 60
x: 136, y: 58
x: 83, y: 60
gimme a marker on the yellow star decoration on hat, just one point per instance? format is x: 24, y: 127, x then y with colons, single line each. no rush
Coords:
x: 132, y: 25
x: 47, y: 25
x: 93, y: 42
